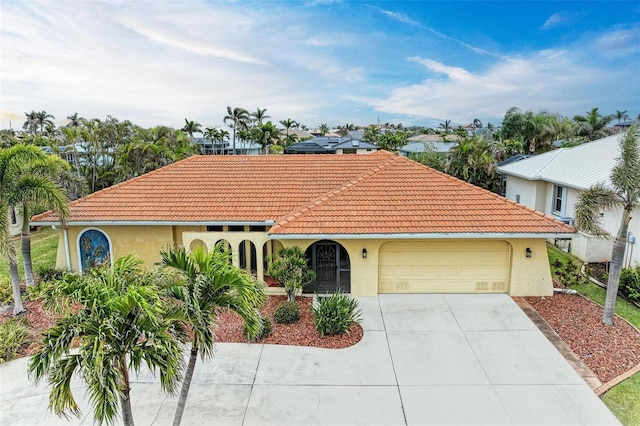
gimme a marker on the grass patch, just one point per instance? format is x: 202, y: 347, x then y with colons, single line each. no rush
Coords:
x: 624, y: 399
x: 44, y: 249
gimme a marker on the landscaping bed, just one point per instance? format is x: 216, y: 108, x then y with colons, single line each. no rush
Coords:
x: 608, y: 350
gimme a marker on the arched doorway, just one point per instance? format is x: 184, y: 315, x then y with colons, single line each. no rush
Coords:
x: 197, y: 245
x: 330, y: 261
x: 225, y: 246
x: 247, y: 256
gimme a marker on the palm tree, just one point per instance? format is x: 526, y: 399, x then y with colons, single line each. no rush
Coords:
x: 621, y: 115
x: 259, y: 115
x: 446, y: 126
x: 624, y: 192
x: 592, y: 125
x: 75, y: 120
x: 37, y: 184
x: 120, y: 325
x: 12, y: 162
x: 31, y: 123
x: 191, y: 127
x: 324, y: 129
x: 288, y: 124
x: 238, y: 117
x: 211, y: 286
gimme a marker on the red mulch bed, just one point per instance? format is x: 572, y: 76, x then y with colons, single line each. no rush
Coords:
x: 302, y: 333
x: 229, y: 327
x: 608, y: 350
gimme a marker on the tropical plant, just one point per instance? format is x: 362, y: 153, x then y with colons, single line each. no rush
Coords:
x: 291, y: 269
x: 288, y: 124
x: 13, y: 336
x: 12, y: 163
x: 630, y: 283
x: 237, y: 119
x: 208, y: 286
x: 623, y: 192
x: 287, y: 313
x: 37, y: 120
x: 621, y: 115
x: 75, y: 120
x: 446, y: 126
x: 121, y: 323
x: 324, y: 129
x: 190, y: 127
x: 592, y: 125
x: 259, y: 115
x: 335, y: 314
x: 471, y: 160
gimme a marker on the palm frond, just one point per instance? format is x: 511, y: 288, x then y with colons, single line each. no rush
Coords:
x: 590, y: 204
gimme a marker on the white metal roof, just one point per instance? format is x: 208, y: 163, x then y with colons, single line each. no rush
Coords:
x: 579, y: 167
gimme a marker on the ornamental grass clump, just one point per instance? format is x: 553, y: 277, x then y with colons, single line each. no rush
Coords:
x: 287, y: 313
x: 335, y: 314
x: 13, y: 335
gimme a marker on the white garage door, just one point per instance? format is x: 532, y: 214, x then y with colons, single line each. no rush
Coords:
x: 444, y: 267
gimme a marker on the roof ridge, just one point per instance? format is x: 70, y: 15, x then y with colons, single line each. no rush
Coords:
x: 318, y: 201
x: 559, y: 153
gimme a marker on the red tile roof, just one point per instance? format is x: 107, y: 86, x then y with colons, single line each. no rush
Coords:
x: 378, y: 193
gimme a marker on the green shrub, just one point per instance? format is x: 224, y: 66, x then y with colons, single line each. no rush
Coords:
x: 287, y: 313
x: 630, y: 283
x: 335, y: 314
x: 6, y: 292
x: 13, y: 335
x: 568, y: 273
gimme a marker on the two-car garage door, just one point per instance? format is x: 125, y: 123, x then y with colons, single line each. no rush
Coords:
x: 444, y: 267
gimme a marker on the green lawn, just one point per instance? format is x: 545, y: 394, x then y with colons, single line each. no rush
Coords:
x: 624, y: 399
x: 44, y: 247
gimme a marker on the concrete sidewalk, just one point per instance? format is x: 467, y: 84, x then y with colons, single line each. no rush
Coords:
x: 424, y: 359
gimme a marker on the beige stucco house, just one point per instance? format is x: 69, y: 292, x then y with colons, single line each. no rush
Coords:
x: 552, y: 182
x: 370, y: 224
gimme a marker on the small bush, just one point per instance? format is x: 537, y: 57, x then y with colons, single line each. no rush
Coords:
x: 568, y: 274
x: 630, y: 283
x: 335, y: 314
x: 6, y: 292
x: 13, y: 335
x: 287, y: 313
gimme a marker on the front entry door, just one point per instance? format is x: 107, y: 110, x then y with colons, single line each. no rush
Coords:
x: 326, y: 261
x: 330, y: 262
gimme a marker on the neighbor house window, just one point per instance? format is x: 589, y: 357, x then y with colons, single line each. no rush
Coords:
x: 559, y: 199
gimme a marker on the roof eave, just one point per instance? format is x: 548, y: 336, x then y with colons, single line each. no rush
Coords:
x: 157, y: 223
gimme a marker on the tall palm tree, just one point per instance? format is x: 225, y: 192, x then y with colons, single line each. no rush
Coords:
x: 31, y: 123
x: 324, y: 129
x: 621, y: 115
x: 211, y: 286
x: 75, y: 120
x: 288, y: 124
x: 624, y: 192
x: 259, y: 115
x: 37, y: 184
x: 446, y: 126
x: 191, y: 127
x: 236, y: 118
x: 120, y: 325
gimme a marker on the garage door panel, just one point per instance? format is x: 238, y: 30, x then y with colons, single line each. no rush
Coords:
x: 444, y: 267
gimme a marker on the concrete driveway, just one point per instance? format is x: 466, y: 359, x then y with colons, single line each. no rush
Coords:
x: 424, y: 359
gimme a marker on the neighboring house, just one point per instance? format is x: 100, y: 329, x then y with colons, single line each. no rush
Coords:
x: 369, y: 224
x: 309, y: 147
x: 207, y: 147
x: 551, y: 183
x: 355, y: 146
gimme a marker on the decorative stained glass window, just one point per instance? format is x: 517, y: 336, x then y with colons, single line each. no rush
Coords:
x: 94, y: 249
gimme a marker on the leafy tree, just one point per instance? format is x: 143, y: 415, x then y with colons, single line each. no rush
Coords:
x: 210, y: 285
x: 471, y: 161
x: 237, y: 119
x: 371, y: 134
x: 121, y: 323
x: 392, y: 140
x: 291, y: 269
x: 432, y: 158
x: 624, y: 193
x: 592, y: 125
x: 265, y: 134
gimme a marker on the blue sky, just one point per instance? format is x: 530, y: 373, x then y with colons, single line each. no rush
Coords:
x: 333, y: 62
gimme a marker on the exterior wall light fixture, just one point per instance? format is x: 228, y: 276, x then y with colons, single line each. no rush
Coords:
x: 528, y: 252
x: 364, y: 253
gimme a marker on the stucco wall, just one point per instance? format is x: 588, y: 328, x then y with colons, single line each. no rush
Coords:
x: 526, y: 189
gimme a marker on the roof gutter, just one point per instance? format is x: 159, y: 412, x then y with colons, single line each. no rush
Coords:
x: 461, y: 235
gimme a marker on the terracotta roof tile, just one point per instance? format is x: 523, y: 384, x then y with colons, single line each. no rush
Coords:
x: 378, y: 193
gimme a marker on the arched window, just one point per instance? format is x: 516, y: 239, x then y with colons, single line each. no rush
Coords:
x: 94, y: 249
